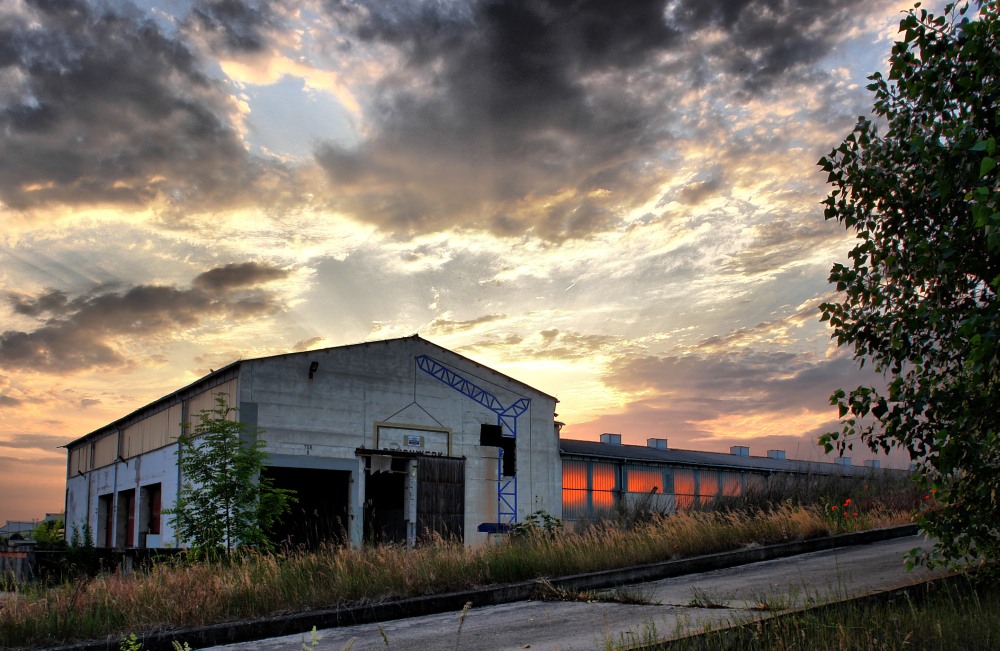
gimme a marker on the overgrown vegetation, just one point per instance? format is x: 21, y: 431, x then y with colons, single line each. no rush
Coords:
x: 957, y: 613
x: 225, y: 502
x: 918, y: 185
x: 260, y: 584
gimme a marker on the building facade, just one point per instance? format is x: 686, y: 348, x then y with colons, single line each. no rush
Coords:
x: 388, y: 440
x: 601, y: 478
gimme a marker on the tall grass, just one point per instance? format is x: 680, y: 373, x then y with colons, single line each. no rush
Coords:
x: 957, y: 613
x: 176, y: 594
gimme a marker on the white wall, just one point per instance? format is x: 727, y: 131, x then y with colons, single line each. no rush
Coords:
x: 322, y: 421
x: 357, y: 387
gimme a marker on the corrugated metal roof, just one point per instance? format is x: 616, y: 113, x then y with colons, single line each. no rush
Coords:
x: 640, y: 453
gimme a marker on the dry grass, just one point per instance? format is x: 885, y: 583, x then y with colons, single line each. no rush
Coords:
x: 956, y: 613
x: 179, y: 594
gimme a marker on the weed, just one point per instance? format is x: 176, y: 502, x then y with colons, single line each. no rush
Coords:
x: 130, y: 643
x: 703, y: 599
x: 635, y: 595
x: 313, y: 640
x: 771, y: 602
x: 461, y: 622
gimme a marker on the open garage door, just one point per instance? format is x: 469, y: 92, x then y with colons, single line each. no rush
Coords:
x: 321, y: 513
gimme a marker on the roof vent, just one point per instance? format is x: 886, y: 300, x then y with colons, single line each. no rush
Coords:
x: 776, y: 454
x: 873, y: 463
x: 611, y: 439
x: 659, y: 444
x: 740, y: 450
x: 842, y: 461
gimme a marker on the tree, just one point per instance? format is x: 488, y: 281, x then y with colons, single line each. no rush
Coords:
x: 224, y: 501
x: 918, y: 298
x: 49, y: 534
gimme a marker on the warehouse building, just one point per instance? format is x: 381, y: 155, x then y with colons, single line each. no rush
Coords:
x: 602, y: 477
x: 386, y: 440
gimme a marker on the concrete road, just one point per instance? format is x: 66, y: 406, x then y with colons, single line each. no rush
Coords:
x: 675, y: 607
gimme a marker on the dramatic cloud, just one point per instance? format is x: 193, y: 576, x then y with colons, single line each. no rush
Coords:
x: 551, y: 117
x: 703, y: 401
x: 103, y: 108
x: 509, y: 121
x: 87, y: 331
x: 238, y: 26
x: 237, y: 275
x: 617, y: 203
x: 766, y: 40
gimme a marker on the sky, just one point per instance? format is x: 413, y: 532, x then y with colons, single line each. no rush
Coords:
x: 616, y: 203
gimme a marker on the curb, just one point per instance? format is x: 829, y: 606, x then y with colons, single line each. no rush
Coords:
x: 266, y: 627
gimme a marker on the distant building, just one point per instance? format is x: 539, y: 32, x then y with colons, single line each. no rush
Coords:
x: 386, y: 440
x: 26, y: 528
x: 600, y: 477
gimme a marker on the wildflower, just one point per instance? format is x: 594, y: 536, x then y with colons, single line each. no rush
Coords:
x: 927, y: 497
x: 833, y: 508
x: 847, y: 501
x: 933, y: 491
x: 855, y: 514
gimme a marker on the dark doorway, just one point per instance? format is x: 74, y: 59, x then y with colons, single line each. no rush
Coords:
x: 321, y: 513
x: 440, y: 498
x: 125, y: 531
x: 105, y: 521
x: 385, y: 503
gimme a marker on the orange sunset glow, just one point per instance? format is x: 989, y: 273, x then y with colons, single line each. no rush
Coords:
x: 616, y: 203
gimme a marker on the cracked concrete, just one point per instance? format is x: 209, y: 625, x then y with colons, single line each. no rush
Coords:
x: 678, y: 606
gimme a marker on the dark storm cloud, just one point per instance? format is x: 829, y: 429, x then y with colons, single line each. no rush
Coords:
x: 548, y: 116
x: 84, y: 332
x: 766, y: 40
x: 236, y: 275
x: 235, y: 25
x: 50, y: 302
x: 495, y: 109
x: 104, y: 108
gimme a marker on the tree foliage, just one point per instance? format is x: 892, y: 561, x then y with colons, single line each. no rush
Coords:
x: 224, y: 501
x: 919, y: 294
x: 49, y: 534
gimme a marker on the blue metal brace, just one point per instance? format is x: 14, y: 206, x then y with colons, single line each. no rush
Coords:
x: 506, y: 419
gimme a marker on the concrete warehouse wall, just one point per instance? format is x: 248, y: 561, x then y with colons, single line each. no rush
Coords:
x: 325, y: 414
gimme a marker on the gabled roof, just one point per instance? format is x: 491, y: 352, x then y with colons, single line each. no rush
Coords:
x: 643, y: 454
x: 231, y: 371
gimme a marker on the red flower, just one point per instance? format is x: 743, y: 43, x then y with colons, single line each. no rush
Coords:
x: 854, y: 514
x: 847, y: 501
x: 833, y: 508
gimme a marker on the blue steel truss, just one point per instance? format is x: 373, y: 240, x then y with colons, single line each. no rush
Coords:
x: 506, y: 419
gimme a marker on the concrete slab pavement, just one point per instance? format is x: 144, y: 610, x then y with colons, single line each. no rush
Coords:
x: 678, y: 606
